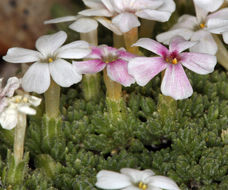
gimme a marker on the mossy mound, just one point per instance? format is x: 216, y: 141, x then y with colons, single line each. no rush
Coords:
x: 186, y: 147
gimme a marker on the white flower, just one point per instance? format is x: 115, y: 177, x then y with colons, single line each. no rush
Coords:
x: 125, y: 13
x: 195, y: 28
x: 13, y: 83
x: 132, y: 179
x: 218, y: 23
x: 16, y: 104
x: 49, y: 61
x: 88, y: 20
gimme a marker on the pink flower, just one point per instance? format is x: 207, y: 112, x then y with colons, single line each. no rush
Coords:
x: 115, y: 60
x: 175, y: 82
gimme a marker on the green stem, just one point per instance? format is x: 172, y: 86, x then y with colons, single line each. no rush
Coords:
x: 222, y: 53
x: 91, y: 82
x: 114, y: 101
x: 52, y: 100
x: 130, y: 38
x: 19, y: 138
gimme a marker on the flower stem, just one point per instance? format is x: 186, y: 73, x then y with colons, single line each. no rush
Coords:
x: 91, y: 82
x: 114, y: 89
x: 130, y: 38
x: 118, y: 41
x: 19, y: 137
x: 222, y: 53
x: 115, y: 104
x: 52, y: 100
x: 147, y: 28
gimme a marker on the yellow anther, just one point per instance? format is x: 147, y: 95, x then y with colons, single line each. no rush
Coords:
x: 142, y: 186
x: 202, y: 25
x: 18, y: 100
x: 50, y: 60
x: 174, y: 61
x: 25, y: 99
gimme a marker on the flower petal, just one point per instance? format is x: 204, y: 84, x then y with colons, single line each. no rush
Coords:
x: 37, y: 78
x: 168, y: 5
x: 26, y: 110
x: 217, y: 26
x: 3, y: 104
x: 63, y: 73
x: 209, y: 5
x: 152, y: 45
x: 118, y: 72
x: 179, y: 44
x: 166, y: 37
x: 143, y: 69
x: 96, y: 12
x: 74, y: 50
x: 48, y: 44
x: 89, y: 66
x: 137, y: 175
x: 33, y: 100
x: 13, y: 84
x: 93, y: 3
x: 163, y: 183
x: 112, y: 180
x: 126, y: 21
x: 8, y: 118
x: 206, y: 43
x: 84, y: 25
x: 187, y: 22
x: 175, y: 83
x: 199, y: 62
x: 109, y: 25
x: 21, y: 55
x: 62, y: 19
x: 132, y: 187
x: 225, y: 37
x: 123, y: 54
x: 156, y: 15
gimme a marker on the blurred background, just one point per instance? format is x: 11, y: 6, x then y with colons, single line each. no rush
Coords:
x: 21, y: 23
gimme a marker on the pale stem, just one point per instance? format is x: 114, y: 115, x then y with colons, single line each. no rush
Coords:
x: 91, y: 82
x: 130, y: 38
x: 118, y: 41
x: 19, y: 138
x: 147, y: 28
x: 222, y: 53
x: 52, y: 100
x: 113, y: 89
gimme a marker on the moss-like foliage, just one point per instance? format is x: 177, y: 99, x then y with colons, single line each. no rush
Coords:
x: 186, y: 147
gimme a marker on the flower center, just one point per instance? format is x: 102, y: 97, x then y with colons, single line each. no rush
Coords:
x: 50, y: 60
x: 142, y: 185
x: 202, y: 25
x: 173, y: 61
x: 21, y: 99
x: 110, y: 58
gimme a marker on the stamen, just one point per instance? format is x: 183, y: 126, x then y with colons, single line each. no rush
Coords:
x: 174, y: 61
x: 142, y: 186
x: 18, y: 100
x: 202, y: 25
x: 50, y: 60
x: 25, y: 100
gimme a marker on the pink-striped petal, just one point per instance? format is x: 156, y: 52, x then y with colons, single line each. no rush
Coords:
x: 199, y: 62
x: 152, y: 45
x: 118, y: 72
x: 123, y: 54
x: 89, y: 66
x: 143, y: 69
x: 179, y: 44
x: 175, y: 83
